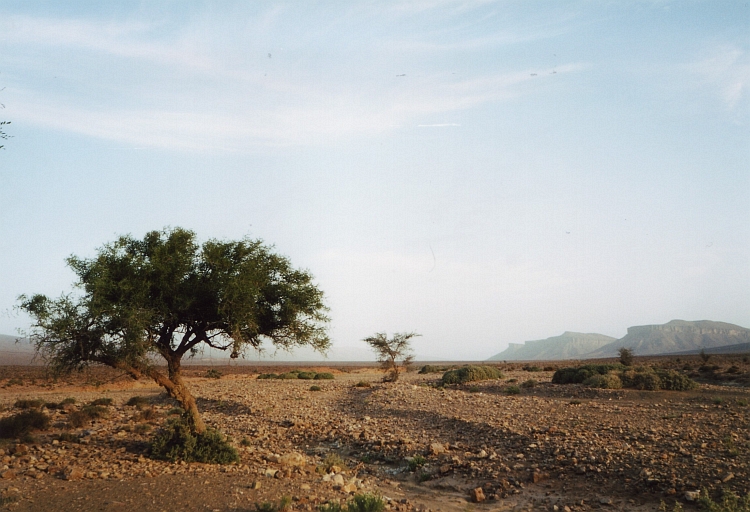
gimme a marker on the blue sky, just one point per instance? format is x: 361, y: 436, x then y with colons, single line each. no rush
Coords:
x: 479, y: 172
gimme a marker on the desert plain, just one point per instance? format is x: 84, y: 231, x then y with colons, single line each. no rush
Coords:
x: 516, y: 443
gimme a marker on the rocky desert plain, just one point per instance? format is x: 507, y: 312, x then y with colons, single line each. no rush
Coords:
x: 481, y: 446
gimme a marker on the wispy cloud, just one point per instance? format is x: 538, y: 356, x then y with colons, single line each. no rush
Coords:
x: 728, y: 70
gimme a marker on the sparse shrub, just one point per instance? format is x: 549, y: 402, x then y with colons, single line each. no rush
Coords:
x: 332, y: 460
x: 68, y: 401
x: 138, y: 401
x: 733, y: 369
x: 175, y: 441
x: 416, y: 462
x: 324, y: 376
x: 147, y: 414
x: 89, y: 413
x: 67, y: 437
x: 14, y: 382
x: 29, y: 404
x: 268, y: 506
x: 362, y: 384
x: 578, y: 374
x: 549, y: 368
x: 332, y: 506
x: 102, y: 401
x: 316, y: 388
x: 530, y: 368
x: 245, y: 442
x: 429, y: 368
x: 366, y: 503
x: 264, y: 376
x: 306, y: 375
x: 474, y: 389
x: 176, y: 411
x: 608, y: 381
x: 626, y: 356
x: 22, y: 423
x: 717, y: 400
x: 288, y: 376
x: 675, y: 381
x: 643, y: 380
x: 142, y: 428
x: 705, y: 357
x: 529, y: 383
x: 730, y: 502
x: 742, y: 402
x: 471, y: 374
x: 213, y: 373
x: 512, y: 380
x: 513, y: 390
x: 575, y: 402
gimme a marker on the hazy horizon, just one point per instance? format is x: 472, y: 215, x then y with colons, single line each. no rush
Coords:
x: 480, y: 172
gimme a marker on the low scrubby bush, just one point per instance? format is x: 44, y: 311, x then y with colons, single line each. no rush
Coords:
x: 430, y: 368
x: 86, y: 415
x: 324, y: 376
x: 102, y: 401
x: 608, y: 381
x: 675, y: 381
x: 213, y: 373
x: 316, y: 388
x: 175, y: 441
x: 137, y: 401
x: 29, y: 404
x: 529, y: 383
x: 513, y: 390
x: 641, y: 379
x: 471, y: 374
x: 23, y: 423
x: 578, y: 374
x: 306, y: 375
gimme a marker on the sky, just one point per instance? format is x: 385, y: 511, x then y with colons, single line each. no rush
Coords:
x: 480, y: 172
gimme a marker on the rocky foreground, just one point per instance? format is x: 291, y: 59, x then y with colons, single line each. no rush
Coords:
x: 551, y: 447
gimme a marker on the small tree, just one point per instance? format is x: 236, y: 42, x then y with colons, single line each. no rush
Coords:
x: 626, y: 356
x: 705, y: 357
x: 165, y: 297
x: 391, y: 351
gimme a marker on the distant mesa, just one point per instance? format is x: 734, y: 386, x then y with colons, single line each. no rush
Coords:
x: 569, y: 345
x: 675, y: 337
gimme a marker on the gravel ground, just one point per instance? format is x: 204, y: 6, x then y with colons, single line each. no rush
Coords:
x: 551, y: 447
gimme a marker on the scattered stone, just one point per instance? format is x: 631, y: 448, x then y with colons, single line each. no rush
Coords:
x: 73, y: 473
x: 255, y: 485
x: 692, y: 495
x: 437, y: 448
x: 8, y: 475
x: 477, y: 495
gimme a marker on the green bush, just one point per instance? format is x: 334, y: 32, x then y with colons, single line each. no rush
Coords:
x: 529, y: 368
x: 429, y: 368
x: 608, y: 381
x: 288, y: 375
x: 471, y: 374
x: 213, y: 373
x: 643, y: 380
x: 176, y: 441
x: 264, y: 376
x: 578, y: 374
x: 366, y: 503
x: 68, y: 401
x: 730, y: 502
x: 324, y: 376
x: 29, y: 404
x: 23, y: 423
x: 316, y: 388
x: 306, y: 375
x: 267, y: 506
x: 513, y: 390
x: 675, y: 381
x: 529, y: 383
x: 102, y: 401
x: 416, y: 462
x: 626, y: 356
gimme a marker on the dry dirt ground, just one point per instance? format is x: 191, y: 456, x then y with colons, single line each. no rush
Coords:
x: 551, y: 447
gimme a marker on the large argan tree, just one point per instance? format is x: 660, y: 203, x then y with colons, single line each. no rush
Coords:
x: 166, y: 296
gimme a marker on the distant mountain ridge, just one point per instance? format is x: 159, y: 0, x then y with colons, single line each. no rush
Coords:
x: 569, y: 345
x: 676, y: 336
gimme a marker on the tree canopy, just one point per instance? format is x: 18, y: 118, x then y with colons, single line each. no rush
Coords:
x: 391, y: 350
x: 168, y: 296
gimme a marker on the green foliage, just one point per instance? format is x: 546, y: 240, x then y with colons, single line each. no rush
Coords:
x: 3, y: 135
x: 677, y: 507
x: 608, y: 381
x: 529, y: 383
x: 529, y: 368
x: 626, y: 356
x: 705, y: 357
x: 264, y: 376
x: 366, y: 503
x: 213, y: 373
x: 324, y: 376
x: 177, y: 441
x: 23, y: 423
x: 429, y: 368
x: 316, y: 388
x: 176, y: 411
x: 332, y: 506
x: 513, y: 390
x: 288, y: 375
x: 67, y: 437
x: 471, y: 374
x: 641, y: 378
x: 391, y: 351
x: 416, y: 462
x: 675, y: 381
x: 29, y: 404
x: 268, y: 506
x: 730, y: 502
x: 167, y: 296
x: 68, y: 401
x: 578, y: 374
x: 102, y: 401
x: 306, y: 375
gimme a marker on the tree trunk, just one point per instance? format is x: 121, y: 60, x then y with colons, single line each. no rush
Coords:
x: 177, y: 389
